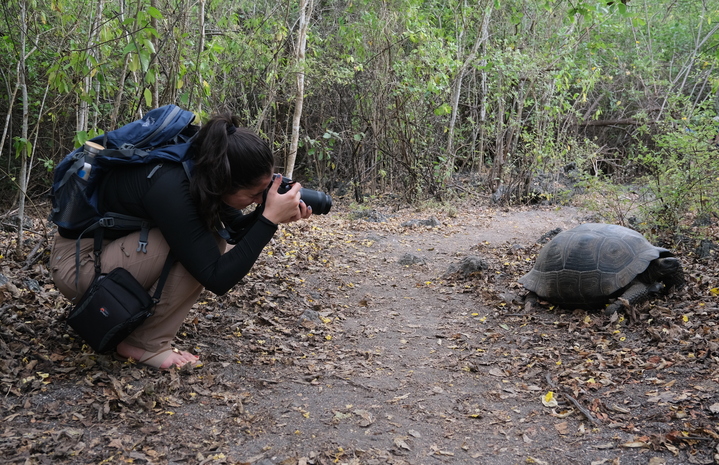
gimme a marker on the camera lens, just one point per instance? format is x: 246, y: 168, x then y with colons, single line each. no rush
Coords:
x: 319, y: 201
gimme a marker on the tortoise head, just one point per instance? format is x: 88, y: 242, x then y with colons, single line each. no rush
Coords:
x: 667, y: 270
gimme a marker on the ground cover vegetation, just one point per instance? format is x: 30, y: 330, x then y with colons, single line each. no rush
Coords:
x: 457, y: 113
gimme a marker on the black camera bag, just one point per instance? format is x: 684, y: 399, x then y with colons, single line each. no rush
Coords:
x: 114, y: 306
x: 110, y: 310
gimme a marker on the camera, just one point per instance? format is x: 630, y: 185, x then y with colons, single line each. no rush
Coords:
x: 233, y: 233
x: 319, y: 201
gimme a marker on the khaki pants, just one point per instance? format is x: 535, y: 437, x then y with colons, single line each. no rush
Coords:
x: 178, y: 296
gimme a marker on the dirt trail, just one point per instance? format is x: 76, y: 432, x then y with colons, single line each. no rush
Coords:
x: 425, y: 370
x: 407, y: 382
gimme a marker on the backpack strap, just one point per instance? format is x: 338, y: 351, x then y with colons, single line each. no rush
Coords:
x: 113, y: 221
x: 188, y: 165
x: 76, y: 165
x: 144, y: 234
x: 119, y: 221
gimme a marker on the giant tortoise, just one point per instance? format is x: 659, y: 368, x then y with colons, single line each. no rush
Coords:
x: 587, y: 266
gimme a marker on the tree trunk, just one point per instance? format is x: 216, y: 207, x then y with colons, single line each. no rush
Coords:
x: 305, y: 13
x: 200, y: 48
x: 22, y: 84
x: 457, y: 90
x: 483, y: 96
x: 155, y: 86
x: 83, y: 109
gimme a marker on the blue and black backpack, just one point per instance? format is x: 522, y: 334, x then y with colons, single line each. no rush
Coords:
x: 165, y: 133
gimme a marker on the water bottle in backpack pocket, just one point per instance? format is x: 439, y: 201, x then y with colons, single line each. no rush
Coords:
x: 75, y: 202
x: 90, y: 149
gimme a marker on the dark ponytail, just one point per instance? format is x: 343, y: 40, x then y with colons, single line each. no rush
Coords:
x: 226, y: 158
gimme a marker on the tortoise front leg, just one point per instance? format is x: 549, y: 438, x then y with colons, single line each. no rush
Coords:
x: 637, y: 293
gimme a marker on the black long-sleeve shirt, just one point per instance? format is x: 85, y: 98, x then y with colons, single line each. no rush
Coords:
x: 165, y: 200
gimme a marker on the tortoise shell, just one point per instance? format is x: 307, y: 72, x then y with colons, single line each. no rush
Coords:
x: 586, y: 266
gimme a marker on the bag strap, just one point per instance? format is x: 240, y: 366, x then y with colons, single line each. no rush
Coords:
x: 98, y: 245
x: 163, y: 277
x: 97, y: 251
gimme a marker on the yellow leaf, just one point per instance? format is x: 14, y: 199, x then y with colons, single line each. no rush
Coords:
x: 548, y: 400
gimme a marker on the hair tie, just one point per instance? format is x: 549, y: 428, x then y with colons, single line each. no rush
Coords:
x: 231, y: 128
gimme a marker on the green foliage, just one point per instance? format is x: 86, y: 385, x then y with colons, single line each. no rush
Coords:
x: 682, y: 175
x: 612, y: 202
x: 22, y: 145
x: 48, y: 164
x: 83, y: 136
x: 399, y: 95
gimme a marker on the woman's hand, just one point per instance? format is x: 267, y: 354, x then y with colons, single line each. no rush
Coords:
x: 287, y: 207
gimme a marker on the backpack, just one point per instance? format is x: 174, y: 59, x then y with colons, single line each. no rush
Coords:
x: 164, y: 133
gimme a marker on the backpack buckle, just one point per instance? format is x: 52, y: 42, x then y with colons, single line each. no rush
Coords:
x: 107, y: 222
x: 144, y: 235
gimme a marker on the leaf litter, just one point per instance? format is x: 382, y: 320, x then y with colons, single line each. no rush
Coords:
x: 336, y: 350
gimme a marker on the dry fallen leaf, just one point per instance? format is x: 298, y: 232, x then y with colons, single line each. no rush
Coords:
x: 398, y: 398
x: 562, y: 428
x: 367, y: 418
x: 399, y: 442
x: 635, y: 444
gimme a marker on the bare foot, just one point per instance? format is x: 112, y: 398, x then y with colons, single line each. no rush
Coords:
x: 166, y: 358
